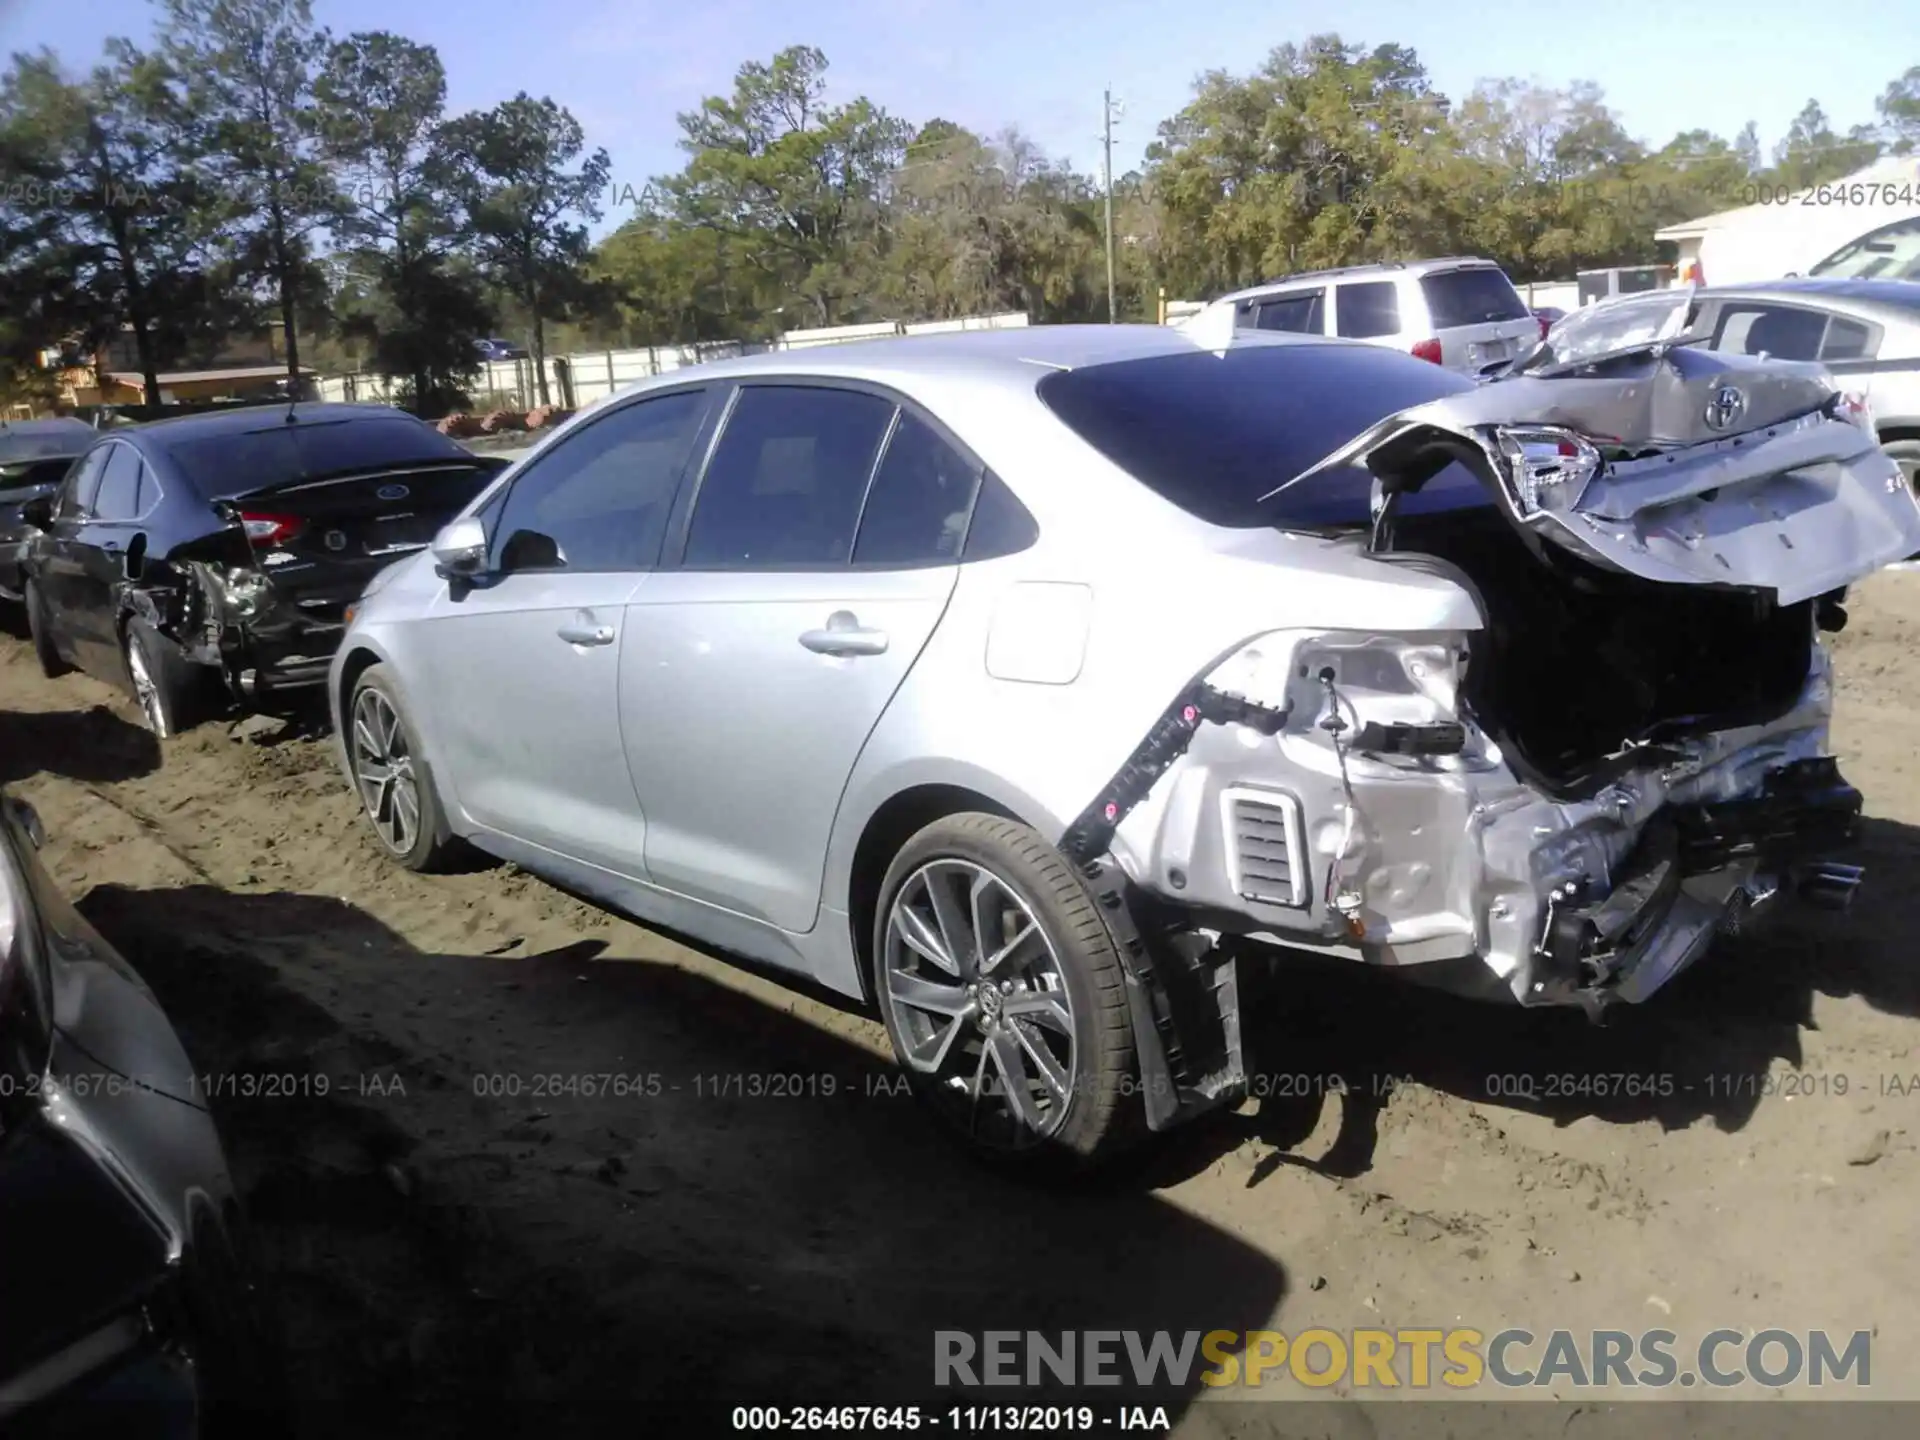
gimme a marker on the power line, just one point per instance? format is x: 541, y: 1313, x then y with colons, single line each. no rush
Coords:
x: 1108, y: 109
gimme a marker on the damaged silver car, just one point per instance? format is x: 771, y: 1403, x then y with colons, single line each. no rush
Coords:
x: 1031, y: 684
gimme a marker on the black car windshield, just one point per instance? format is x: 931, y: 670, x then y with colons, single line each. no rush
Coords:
x: 1212, y: 432
x: 237, y: 462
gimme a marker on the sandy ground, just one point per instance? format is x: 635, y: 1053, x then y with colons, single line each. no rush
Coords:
x: 461, y: 1247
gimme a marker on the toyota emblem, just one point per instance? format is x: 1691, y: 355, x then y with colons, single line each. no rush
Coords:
x: 393, y: 492
x: 1729, y: 403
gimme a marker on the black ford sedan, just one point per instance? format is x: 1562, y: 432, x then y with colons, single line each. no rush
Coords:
x: 218, y: 552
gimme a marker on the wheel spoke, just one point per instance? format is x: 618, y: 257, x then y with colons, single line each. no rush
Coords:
x: 954, y: 936
x: 928, y: 995
x: 1005, y: 1051
x: 1045, y: 1065
x: 1044, y: 1007
x: 406, y: 812
x: 1027, y: 937
x: 917, y: 935
x: 363, y: 738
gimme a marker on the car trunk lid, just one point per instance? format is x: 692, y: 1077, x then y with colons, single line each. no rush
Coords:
x: 318, y: 541
x: 1680, y: 466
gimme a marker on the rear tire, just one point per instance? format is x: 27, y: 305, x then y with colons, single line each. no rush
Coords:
x: 1035, y: 1071
x: 165, y: 685
x: 40, y: 630
x: 394, y: 781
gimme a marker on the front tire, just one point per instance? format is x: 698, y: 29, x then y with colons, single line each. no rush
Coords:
x: 395, y: 785
x: 40, y: 629
x: 1004, y: 996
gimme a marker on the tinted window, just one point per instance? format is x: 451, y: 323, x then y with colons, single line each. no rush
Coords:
x: 916, y: 511
x: 785, y: 483
x: 1846, y: 340
x: 599, y: 500
x: 1476, y: 296
x: 1299, y: 314
x: 1213, y: 433
x: 1781, y: 331
x: 1001, y: 525
x: 149, y: 492
x: 31, y: 474
x: 119, y: 485
x: 1365, y: 311
x: 84, y: 483
x: 228, y: 463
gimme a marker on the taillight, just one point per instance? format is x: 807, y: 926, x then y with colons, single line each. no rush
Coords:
x: 1545, y: 325
x: 1427, y: 350
x: 265, y: 529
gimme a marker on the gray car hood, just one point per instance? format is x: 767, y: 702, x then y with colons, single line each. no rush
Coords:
x: 1691, y: 467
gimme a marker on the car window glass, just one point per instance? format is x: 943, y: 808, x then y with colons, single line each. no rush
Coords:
x: 1781, y: 331
x: 1478, y: 295
x: 1297, y: 314
x: 599, y: 499
x: 1001, y: 525
x: 1367, y: 310
x: 84, y: 482
x: 119, y: 492
x: 1599, y: 329
x: 1846, y: 340
x: 149, y: 492
x: 787, y: 479
x: 1890, y: 253
x: 916, y: 511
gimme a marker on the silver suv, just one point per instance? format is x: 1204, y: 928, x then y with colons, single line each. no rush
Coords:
x: 1460, y: 312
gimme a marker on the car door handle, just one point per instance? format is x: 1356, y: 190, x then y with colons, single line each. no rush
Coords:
x: 584, y: 632
x: 844, y: 635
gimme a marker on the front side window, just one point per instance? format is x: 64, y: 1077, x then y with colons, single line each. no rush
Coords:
x: 599, y: 500
x: 786, y: 481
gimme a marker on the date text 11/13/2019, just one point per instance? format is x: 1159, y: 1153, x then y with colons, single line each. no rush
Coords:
x: 957, y: 1419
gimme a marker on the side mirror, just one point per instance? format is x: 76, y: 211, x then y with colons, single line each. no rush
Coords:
x: 38, y: 512
x: 460, y: 549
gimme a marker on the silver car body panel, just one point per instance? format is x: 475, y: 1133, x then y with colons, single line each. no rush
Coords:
x: 707, y: 772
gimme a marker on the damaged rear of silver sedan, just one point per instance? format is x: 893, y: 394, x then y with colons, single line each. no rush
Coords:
x: 1565, y: 803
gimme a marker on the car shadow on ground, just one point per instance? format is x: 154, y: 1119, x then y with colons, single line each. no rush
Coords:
x: 463, y: 1240
x: 1702, y: 1048
x: 94, y: 745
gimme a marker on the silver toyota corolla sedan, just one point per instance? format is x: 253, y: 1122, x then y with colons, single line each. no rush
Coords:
x: 1030, y: 684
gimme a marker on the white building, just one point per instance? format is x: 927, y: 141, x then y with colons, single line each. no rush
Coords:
x: 1788, y: 234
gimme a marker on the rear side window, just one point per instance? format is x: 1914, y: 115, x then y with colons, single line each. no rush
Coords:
x: 228, y: 463
x: 916, y: 511
x: 1368, y: 310
x: 787, y: 479
x: 1846, y: 340
x: 599, y: 499
x: 1784, y: 332
x: 1213, y: 433
x: 1478, y: 295
x: 119, y: 497
x: 84, y: 483
x: 1300, y: 314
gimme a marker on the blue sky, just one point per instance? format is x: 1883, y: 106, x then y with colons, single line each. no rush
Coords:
x: 625, y: 67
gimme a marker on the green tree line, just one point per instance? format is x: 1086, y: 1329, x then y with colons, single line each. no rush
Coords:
x: 249, y: 167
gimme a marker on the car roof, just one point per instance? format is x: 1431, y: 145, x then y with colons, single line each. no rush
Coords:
x: 1412, y: 268
x: 1020, y: 356
x: 1900, y: 295
x: 241, y: 419
x: 48, y: 438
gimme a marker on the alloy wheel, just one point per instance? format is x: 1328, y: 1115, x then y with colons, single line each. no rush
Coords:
x: 383, y: 769
x: 145, y: 691
x: 980, y: 1003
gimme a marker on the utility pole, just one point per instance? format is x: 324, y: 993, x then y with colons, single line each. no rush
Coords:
x: 1106, y: 115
